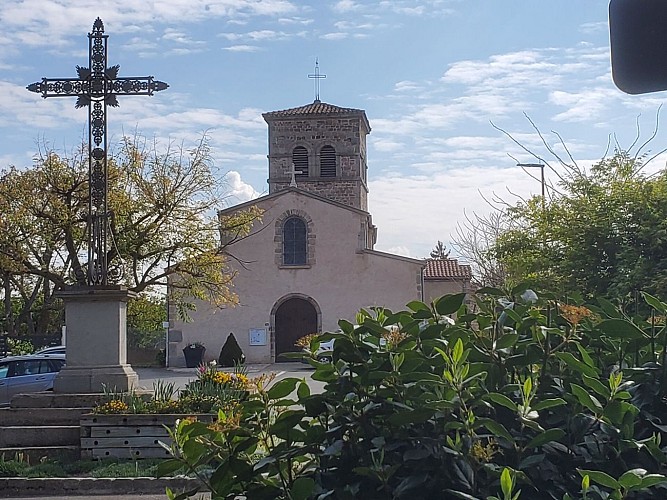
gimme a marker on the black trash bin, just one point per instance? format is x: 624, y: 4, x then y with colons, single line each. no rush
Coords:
x: 194, y: 355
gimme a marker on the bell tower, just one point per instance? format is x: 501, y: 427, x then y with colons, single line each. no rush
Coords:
x: 327, y: 146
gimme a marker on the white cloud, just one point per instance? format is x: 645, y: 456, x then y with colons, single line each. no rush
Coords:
x: 239, y: 191
x: 425, y: 209
x: 346, y: 6
x: 242, y: 48
x: 51, y: 23
x: 400, y: 250
x: 335, y: 36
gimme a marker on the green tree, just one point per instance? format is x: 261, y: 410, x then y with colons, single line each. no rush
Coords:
x: 604, y: 232
x: 164, y: 203
x: 439, y: 251
x: 145, y: 315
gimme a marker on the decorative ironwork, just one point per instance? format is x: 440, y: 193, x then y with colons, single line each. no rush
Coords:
x: 96, y: 88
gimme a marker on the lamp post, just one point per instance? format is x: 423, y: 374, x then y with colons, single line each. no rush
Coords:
x: 544, y: 212
x: 541, y: 167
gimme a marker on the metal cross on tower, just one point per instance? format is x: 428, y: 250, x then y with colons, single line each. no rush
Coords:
x: 97, y: 87
x: 317, y: 77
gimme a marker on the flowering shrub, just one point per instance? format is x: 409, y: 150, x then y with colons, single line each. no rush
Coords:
x: 113, y: 406
x: 212, y: 390
x: 305, y: 341
x: 524, y: 397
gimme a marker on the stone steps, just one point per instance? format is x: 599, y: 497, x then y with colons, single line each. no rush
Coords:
x: 39, y: 436
x: 97, y: 487
x: 44, y: 425
x: 41, y: 416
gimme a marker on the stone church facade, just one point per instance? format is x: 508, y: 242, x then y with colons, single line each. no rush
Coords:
x: 310, y: 261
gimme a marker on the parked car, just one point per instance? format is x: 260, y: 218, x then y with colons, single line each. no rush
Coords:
x: 56, y: 349
x: 28, y: 373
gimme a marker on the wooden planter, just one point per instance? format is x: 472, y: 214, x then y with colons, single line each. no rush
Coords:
x: 128, y: 436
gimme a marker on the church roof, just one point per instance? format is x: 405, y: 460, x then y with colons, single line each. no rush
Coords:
x: 315, y: 108
x: 446, y: 269
x: 285, y: 191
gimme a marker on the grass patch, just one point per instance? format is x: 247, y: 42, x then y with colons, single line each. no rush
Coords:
x: 18, y: 467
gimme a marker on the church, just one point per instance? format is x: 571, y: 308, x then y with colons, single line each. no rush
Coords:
x: 310, y: 260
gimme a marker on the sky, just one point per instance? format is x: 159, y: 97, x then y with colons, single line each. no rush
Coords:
x: 440, y: 80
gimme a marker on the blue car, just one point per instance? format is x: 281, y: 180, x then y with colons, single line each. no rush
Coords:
x: 29, y: 373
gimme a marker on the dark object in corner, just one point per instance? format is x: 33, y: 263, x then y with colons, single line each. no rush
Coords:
x: 638, y: 35
x: 231, y: 353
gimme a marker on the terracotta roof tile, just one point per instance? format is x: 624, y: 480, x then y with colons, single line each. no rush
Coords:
x: 315, y: 108
x: 446, y: 268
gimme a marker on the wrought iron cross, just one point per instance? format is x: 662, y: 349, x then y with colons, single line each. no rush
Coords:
x: 97, y: 87
x: 317, y: 77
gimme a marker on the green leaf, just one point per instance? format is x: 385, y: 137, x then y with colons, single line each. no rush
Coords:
x: 651, y: 480
x: 621, y: 329
x: 502, y: 400
x: 584, y: 355
x: 655, y: 303
x: 632, y: 478
x: 167, y: 468
x: 416, y: 305
x: 600, y: 478
x: 282, y: 388
x: 548, y: 403
x: 507, y: 340
x: 457, y: 353
x: 597, y: 386
x: 303, y: 390
x: 609, y: 308
x: 577, y: 365
x: 489, y: 290
x: 495, y: 428
x: 527, y: 387
x: 545, y: 437
x: 506, y: 483
x: 411, y: 417
x: 586, y: 399
x: 449, y: 304
x: 302, y: 488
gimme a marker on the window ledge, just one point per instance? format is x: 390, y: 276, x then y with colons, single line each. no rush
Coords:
x: 296, y: 266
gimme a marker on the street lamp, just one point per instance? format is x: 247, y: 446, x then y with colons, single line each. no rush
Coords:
x: 541, y: 167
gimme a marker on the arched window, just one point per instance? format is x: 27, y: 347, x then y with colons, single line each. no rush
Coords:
x: 328, y: 162
x: 300, y: 160
x: 294, y: 242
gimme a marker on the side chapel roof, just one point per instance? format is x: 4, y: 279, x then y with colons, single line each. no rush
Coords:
x: 438, y: 269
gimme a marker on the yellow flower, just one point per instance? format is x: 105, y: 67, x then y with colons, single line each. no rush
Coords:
x: 305, y: 340
x: 394, y: 337
x: 484, y: 453
x: 113, y: 406
x: 575, y: 314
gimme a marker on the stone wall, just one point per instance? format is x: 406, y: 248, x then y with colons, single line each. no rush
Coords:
x: 347, y: 135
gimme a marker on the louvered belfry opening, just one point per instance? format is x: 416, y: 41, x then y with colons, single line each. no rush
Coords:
x: 328, y: 162
x: 300, y: 160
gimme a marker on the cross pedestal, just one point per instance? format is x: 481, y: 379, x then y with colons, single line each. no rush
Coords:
x: 95, y: 317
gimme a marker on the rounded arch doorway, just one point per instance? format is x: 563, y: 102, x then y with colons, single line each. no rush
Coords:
x: 294, y: 318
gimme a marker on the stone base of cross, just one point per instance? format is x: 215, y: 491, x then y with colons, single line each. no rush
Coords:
x: 96, y: 341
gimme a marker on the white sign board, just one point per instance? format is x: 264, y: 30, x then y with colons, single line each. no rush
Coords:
x: 257, y: 336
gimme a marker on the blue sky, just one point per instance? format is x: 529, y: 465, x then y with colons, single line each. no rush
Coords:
x: 433, y: 76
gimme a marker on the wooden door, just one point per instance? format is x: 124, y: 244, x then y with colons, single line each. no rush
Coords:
x: 294, y: 318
